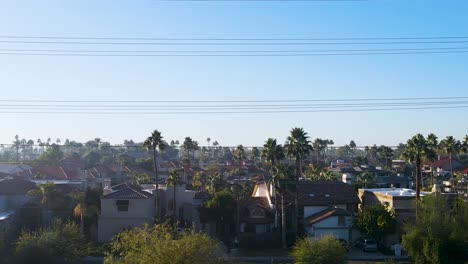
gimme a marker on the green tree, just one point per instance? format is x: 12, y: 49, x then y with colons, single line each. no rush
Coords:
x: 162, y: 244
x: 50, y: 196
x: 60, y: 243
x: 84, y: 210
x: 298, y: 147
x: 216, y: 183
x: 154, y: 143
x: 272, y: 152
x: 221, y: 209
x: 366, y: 179
x: 320, y: 145
x: 385, y: 154
x: 376, y: 221
x: 417, y: 148
x: 438, y: 235
x: 174, y: 180
x: 325, y: 250
x: 451, y: 146
x: 282, y: 173
x: 200, y: 181
x: 52, y: 156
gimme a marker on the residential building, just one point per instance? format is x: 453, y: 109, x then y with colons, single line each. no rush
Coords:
x: 328, y: 208
x: 124, y: 206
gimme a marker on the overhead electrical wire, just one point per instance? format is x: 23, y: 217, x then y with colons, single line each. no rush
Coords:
x: 241, y: 101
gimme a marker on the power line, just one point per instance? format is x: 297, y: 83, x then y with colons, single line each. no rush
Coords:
x: 233, y: 39
x: 231, y: 55
x: 232, y: 51
x: 222, y: 107
x: 232, y: 112
x: 233, y: 43
x: 241, y: 101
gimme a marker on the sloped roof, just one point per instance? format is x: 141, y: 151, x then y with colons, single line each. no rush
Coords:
x: 332, y: 211
x: 127, y: 191
x: 16, y: 187
x: 326, y: 193
x: 59, y: 173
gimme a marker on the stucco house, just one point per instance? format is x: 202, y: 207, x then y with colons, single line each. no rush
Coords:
x: 124, y: 206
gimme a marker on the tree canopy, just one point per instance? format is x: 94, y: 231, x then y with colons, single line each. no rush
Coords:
x: 162, y: 244
x: 376, y: 221
x: 439, y: 234
x: 326, y: 250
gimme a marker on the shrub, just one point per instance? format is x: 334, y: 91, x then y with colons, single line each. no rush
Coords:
x: 325, y: 250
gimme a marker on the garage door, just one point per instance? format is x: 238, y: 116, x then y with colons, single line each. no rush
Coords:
x: 338, y: 233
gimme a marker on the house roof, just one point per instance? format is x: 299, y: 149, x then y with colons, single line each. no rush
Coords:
x: 332, y: 211
x: 58, y: 173
x: 326, y: 193
x: 127, y: 191
x: 12, y: 169
x: 16, y: 187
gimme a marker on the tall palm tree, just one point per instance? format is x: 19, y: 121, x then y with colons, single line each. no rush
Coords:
x: 174, y: 180
x: 465, y: 144
x: 239, y: 155
x: 298, y: 147
x: 237, y: 191
x: 280, y: 175
x: 272, y: 152
x: 155, y: 142
x: 417, y: 148
x: 433, y: 144
x: 450, y: 145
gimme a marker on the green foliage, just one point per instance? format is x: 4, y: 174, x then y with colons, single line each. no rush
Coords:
x: 163, y: 245
x: 52, y: 156
x: 61, y: 240
x: 50, y: 197
x: 326, y: 250
x: 439, y: 234
x: 140, y: 178
x: 376, y: 221
x: 221, y: 207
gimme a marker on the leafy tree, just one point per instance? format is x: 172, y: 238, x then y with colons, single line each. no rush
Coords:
x: 60, y: 243
x: 439, y: 234
x: 385, y: 154
x: 216, y: 183
x: 451, y: 146
x: 84, y: 210
x: 174, y: 180
x: 140, y: 178
x: 162, y: 244
x: 325, y: 250
x: 153, y: 143
x: 221, y: 209
x: 92, y: 158
x: 376, y: 221
x: 52, y: 155
x: 200, y: 181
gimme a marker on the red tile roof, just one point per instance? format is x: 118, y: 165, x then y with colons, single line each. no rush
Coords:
x: 58, y: 173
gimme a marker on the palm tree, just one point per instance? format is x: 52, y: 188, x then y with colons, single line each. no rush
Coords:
x: 465, y: 144
x: 272, y: 153
x: 297, y: 147
x: 239, y: 155
x: 352, y: 147
x: 83, y: 210
x: 433, y: 144
x: 417, y: 148
x: 450, y: 145
x: 154, y: 142
x: 48, y: 195
x: 254, y: 154
x: 215, y: 182
x: 280, y: 175
x: 174, y: 180
x: 237, y: 191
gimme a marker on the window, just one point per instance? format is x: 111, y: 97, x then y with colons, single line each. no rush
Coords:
x: 122, y: 205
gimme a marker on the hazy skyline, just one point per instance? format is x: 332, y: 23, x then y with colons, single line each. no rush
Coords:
x: 235, y: 78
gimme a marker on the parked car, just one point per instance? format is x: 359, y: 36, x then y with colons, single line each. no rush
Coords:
x: 367, y: 244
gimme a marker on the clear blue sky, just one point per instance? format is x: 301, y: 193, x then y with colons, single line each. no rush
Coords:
x: 232, y: 78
